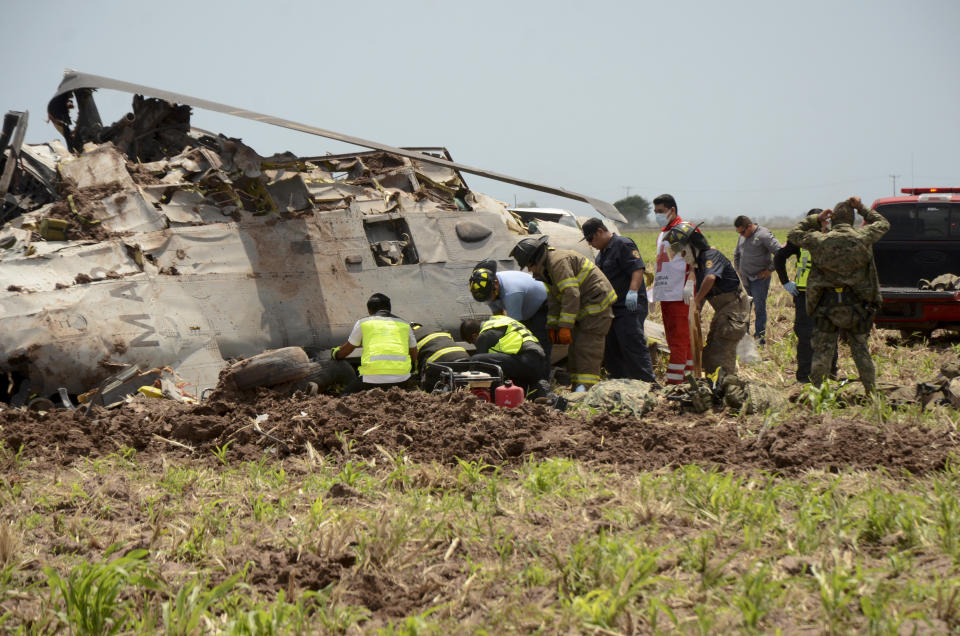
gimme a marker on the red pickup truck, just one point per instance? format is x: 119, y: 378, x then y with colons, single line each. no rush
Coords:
x: 923, y: 243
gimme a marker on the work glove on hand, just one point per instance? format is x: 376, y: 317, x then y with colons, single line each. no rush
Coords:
x: 631, y: 300
x: 688, y: 291
x: 564, y: 336
x: 791, y: 288
x: 334, y: 352
x: 552, y: 335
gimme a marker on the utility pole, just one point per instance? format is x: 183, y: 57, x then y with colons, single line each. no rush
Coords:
x: 894, y: 178
x: 627, y: 190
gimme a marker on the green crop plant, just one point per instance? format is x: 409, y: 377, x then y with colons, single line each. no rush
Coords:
x: 89, y: 599
x: 177, y: 479
x: 702, y: 556
x: 822, y: 398
x: 890, y: 514
x: 220, y: 452
x: 839, y: 589
x: 183, y: 613
x: 948, y: 519
x: 11, y: 460
x: 351, y: 473
x: 551, y: 476
x: 471, y: 474
x: 758, y: 594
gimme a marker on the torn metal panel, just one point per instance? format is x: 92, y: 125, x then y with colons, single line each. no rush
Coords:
x: 69, y: 266
x: 97, y: 166
x: 74, y: 81
x: 14, y: 128
x: 75, y: 337
x: 128, y: 211
x: 14, y: 242
x: 188, y: 207
x: 290, y: 193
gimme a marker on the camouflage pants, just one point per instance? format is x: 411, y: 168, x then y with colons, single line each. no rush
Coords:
x: 585, y: 355
x: 830, y: 323
x: 730, y: 321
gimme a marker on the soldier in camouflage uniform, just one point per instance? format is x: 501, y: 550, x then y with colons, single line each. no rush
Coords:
x: 843, y: 292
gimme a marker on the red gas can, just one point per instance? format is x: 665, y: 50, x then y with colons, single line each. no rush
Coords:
x: 508, y: 395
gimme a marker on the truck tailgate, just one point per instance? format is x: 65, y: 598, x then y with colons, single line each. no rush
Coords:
x: 907, y: 293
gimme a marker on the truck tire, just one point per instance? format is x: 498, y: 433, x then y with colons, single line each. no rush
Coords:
x: 270, y: 368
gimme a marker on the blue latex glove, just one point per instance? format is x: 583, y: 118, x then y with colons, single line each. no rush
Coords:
x: 631, y: 300
x: 791, y: 288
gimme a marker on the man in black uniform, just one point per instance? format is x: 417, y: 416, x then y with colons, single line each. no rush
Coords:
x: 505, y: 342
x: 717, y: 283
x: 435, y: 346
x: 625, y: 353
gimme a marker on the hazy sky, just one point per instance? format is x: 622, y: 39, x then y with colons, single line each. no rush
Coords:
x: 755, y: 107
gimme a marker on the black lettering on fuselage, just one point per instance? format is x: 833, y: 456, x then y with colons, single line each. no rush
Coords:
x: 137, y: 320
x: 127, y: 292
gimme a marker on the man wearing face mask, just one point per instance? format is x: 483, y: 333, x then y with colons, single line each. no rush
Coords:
x: 671, y: 290
x: 718, y: 284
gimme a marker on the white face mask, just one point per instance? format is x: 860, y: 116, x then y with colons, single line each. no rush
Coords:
x: 661, y: 218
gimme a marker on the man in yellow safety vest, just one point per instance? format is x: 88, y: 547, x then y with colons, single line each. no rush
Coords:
x: 389, y: 348
x: 435, y: 346
x: 505, y: 342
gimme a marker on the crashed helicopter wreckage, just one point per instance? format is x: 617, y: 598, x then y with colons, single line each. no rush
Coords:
x: 148, y: 242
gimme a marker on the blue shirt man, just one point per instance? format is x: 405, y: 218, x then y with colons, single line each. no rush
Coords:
x: 516, y: 294
x: 625, y: 354
x: 520, y: 295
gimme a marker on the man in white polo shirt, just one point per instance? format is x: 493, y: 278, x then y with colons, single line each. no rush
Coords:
x: 389, y: 348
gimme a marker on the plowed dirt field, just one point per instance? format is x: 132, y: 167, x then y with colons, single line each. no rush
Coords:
x: 444, y: 428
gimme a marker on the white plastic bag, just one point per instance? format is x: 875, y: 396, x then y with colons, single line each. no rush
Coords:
x: 747, y: 350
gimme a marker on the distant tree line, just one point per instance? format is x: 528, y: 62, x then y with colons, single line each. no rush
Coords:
x: 635, y: 208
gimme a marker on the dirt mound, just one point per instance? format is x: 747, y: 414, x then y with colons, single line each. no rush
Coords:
x: 443, y: 428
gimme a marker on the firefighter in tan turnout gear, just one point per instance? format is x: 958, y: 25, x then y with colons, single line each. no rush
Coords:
x: 579, y: 305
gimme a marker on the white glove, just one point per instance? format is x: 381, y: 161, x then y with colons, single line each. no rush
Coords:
x: 688, y: 291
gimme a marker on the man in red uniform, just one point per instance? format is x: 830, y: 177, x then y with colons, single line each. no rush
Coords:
x: 671, y: 290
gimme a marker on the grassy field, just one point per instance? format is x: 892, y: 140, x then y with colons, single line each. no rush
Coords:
x: 340, y: 542
x: 724, y: 240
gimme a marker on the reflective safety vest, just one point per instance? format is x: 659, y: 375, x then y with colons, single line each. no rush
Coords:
x: 513, y: 339
x: 566, y: 270
x: 447, y: 339
x: 386, y: 346
x: 804, y: 263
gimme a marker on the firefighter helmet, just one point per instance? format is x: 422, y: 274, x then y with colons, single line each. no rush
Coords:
x: 683, y: 234
x: 481, y: 284
x: 528, y: 251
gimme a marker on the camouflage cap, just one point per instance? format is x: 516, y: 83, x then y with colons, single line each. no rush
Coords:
x: 843, y: 213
